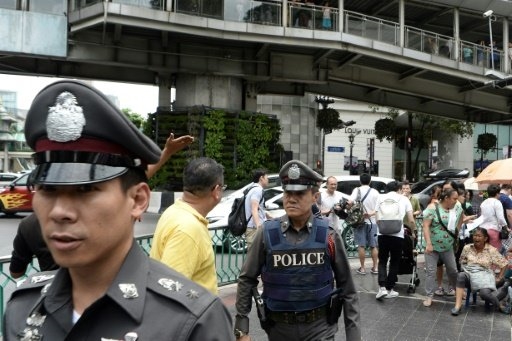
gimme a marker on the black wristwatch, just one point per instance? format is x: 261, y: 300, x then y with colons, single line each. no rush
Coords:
x: 239, y: 333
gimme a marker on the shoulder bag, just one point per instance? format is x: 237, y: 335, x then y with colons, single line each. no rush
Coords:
x: 504, y: 229
x: 480, y: 277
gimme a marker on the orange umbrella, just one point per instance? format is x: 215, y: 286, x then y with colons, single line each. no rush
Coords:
x: 498, y: 172
x: 471, y: 184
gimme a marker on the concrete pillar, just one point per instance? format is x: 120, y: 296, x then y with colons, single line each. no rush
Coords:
x: 164, y: 95
x: 506, y: 48
x: 284, y: 14
x: 456, y: 34
x: 210, y: 91
x: 401, y: 21
x: 341, y: 16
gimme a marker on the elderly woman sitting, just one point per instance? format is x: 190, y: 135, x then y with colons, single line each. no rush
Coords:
x: 481, y: 253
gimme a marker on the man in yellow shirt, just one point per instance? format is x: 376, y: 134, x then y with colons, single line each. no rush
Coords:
x: 181, y: 239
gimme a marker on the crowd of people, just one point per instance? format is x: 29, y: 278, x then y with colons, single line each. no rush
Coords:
x: 90, y: 182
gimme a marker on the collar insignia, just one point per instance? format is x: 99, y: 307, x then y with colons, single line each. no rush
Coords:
x: 41, y: 278
x: 129, y: 290
x: 131, y: 336
x: 65, y: 119
x: 192, y: 294
x: 170, y: 284
x: 294, y: 172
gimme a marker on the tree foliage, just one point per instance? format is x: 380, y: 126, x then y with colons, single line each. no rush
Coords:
x: 486, y: 142
x: 136, y: 118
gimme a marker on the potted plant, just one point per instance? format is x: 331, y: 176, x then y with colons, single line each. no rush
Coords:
x: 486, y: 142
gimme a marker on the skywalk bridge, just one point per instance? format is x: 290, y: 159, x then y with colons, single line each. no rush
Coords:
x: 416, y: 55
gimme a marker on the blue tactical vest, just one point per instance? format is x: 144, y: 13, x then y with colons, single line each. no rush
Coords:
x: 297, y: 277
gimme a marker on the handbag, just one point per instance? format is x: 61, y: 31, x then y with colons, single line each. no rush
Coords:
x: 504, y: 229
x: 480, y: 277
x: 504, y: 233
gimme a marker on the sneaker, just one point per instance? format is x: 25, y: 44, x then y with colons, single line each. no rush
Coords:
x: 392, y: 294
x: 361, y: 271
x: 439, y: 291
x: 382, y: 293
x: 374, y: 272
x: 451, y: 292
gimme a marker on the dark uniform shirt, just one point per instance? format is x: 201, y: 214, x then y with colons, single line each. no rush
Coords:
x: 147, y: 299
x: 28, y: 243
x: 256, y: 257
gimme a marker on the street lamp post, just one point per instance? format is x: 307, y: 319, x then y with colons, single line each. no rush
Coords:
x: 351, y: 140
x: 489, y: 14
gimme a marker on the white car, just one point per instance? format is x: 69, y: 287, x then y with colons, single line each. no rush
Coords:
x: 346, y: 184
x: 7, y: 178
x: 218, y: 219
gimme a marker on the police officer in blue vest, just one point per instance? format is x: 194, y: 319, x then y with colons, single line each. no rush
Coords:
x: 304, y: 268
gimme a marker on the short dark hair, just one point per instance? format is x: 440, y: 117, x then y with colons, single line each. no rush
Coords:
x: 365, y: 179
x: 452, y: 183
x: 492, y: 190
x: 392, y: 186
x: 258, y: 173
x: 201, y: 174
x: 447, y: 194
x: 506, y: 186
x: 483, y: 231
x: 132, y: 177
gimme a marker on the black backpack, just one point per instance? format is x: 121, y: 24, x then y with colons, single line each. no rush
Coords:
x: 237, y: 223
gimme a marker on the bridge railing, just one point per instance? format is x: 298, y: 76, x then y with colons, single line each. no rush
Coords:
x: 230, y: 254
x: 312, y: 17
x: 371, y: 27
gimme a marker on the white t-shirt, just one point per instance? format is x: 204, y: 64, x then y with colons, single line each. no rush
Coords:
x: 369, y: 202
x: 327, y: 201
x: 405, y: 206
x: 255, y: 194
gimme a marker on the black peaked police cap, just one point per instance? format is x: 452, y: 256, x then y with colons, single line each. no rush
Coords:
x: 297, y: 176
x: 80, y: 137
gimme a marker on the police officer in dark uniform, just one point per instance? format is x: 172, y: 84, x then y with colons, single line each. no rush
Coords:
x: 90, y: 188
x: 304, y: 269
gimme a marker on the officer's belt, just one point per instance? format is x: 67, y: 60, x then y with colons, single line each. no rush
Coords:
x: 292, y: 317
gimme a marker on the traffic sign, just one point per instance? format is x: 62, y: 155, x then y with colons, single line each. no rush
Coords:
x: 336, y: 149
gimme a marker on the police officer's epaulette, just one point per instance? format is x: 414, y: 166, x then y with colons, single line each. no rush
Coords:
x: 35, y: 281
x: 173, y: 285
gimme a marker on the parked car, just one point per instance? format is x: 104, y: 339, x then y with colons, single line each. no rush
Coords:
x: 16, y: 197
x: 421, y: 190
x: 7, y: 178
x: 446, y: 173
x: 218, y: 218
x: 347, y: 183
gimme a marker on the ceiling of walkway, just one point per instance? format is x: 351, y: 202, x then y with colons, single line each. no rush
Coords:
x: 126, y: 50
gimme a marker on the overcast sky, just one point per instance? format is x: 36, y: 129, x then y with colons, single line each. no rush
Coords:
x: 141, y: 99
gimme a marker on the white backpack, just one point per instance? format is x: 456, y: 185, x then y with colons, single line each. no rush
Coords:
x: 388, y: 216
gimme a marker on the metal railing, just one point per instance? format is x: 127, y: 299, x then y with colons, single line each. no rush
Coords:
x: 316, y: 18
x: 313, y: 17
x: 371, y: 27
x: 229, y: 257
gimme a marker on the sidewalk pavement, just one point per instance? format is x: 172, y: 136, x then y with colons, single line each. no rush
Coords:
x: 405, y: 317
